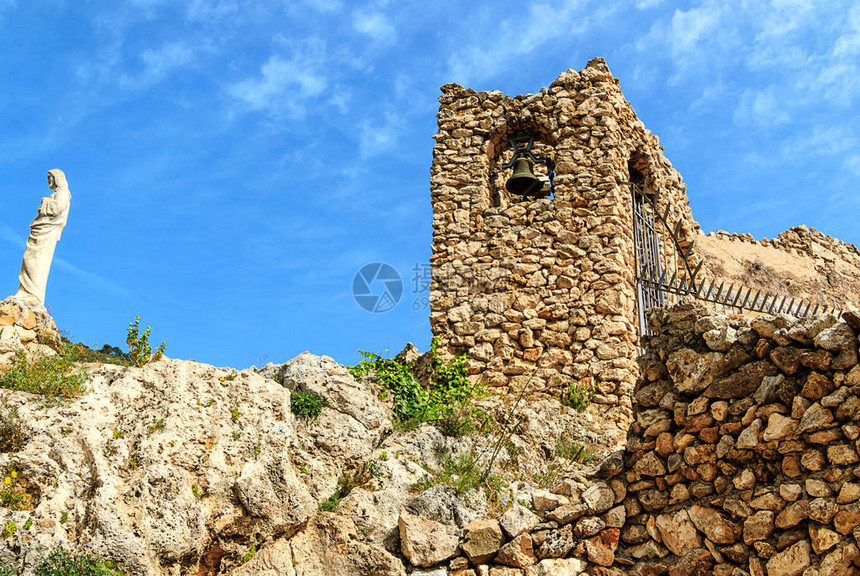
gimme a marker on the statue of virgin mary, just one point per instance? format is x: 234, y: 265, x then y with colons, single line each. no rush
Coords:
x: 45, y: 232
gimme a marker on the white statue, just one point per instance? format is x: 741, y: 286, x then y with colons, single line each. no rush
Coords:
x: 45, y: 232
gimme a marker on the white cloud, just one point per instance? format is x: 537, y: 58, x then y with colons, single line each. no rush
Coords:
x: 762, y: 108
x: 376, y: 138
x: 853, y: 164
x: 209, y: 10
x: 519, y: 36
x: 324, y: 5
x: 341, y: 98
x: 820, y: 141
x: 693, y: 38
x: 690, y: 28
x: 848, y: 44
x: 375, y: 25
x: 712, y: 94
x: 774, y: 62
x: 647, y: 4
x: 158, y: 64
x: 285, y: 84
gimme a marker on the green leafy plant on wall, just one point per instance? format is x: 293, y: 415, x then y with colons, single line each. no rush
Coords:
x: 580, y: 394
x: 446, y: 401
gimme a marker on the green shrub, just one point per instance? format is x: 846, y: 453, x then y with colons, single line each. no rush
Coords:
x: 446, y: 401
x: 75, y: 562
x: 9, y: 529
x: 462, y: 473
x: 50, y: 376
x: 13, y: 493
x: 139, y: 349
x: 107, y: 354
x: 249, y: 555
x: 155, y: 426
x: 305, y: 404
x: 580, y: 395
x: 566, y: 448
x: 330, y: 504
x: 11, y: 434
x: 346, y: 483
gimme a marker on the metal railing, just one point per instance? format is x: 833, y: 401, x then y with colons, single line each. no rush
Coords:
x: 664, y: 275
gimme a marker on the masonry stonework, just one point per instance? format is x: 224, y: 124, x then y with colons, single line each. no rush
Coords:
x: 543, y: 290
x: 743, y: 459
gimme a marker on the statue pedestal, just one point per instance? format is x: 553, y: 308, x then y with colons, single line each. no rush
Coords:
x: 25, y: 326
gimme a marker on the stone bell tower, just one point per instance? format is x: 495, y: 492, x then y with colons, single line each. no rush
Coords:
x: 543, y: 289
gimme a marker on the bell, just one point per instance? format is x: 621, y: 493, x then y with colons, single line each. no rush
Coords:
x: 523, y: 182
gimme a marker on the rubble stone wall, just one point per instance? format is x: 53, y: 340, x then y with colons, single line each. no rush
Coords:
x: 743, y: 460
x: 743, y: 457
x: 24, y: 326
x: 543, y: 290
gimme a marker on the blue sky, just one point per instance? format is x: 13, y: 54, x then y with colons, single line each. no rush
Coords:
x: 233, y: 164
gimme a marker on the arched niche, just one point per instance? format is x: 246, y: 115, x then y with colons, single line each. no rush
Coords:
x: 500, y: 151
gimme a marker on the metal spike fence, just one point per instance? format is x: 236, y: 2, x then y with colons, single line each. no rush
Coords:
x: 657, y: 286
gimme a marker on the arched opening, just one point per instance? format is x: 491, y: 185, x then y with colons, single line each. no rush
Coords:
x: 639, y: 172
x: 500, y: 152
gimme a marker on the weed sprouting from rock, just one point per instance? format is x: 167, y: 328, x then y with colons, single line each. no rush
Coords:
x: 9, y: 529
x: 14, y: 494
x: 358, y: 478
x: 570, y: 450
x: 580, y: 394
x: 139, y: 349
x: 12, y: 436
x: 445, y: 401
x: 463, y: 473
x: 305, y: 404
x: 52, y: 376
x: 75, y: 562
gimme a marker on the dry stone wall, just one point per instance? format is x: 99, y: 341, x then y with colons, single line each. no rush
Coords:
x: 542, y: 291
x: 24, y: 327
x: 743, y: 460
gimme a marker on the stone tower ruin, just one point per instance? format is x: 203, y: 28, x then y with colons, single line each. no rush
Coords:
x: 543, y: 290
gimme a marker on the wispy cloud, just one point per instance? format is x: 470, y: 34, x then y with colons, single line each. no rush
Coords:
x: 762, y: 108
x: 647, y: 4
x: 340, y: 99
x: 286, y: 83
x: 158, y: 63
x: 692, y: 36
x: 376, y: 25
x: 819, y: 141
x: 853, y: 164
x: 11, y: 237
x: 377, y: 138
x: 209, y: 10
x: 324, y: 5
x: 525, y: 34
